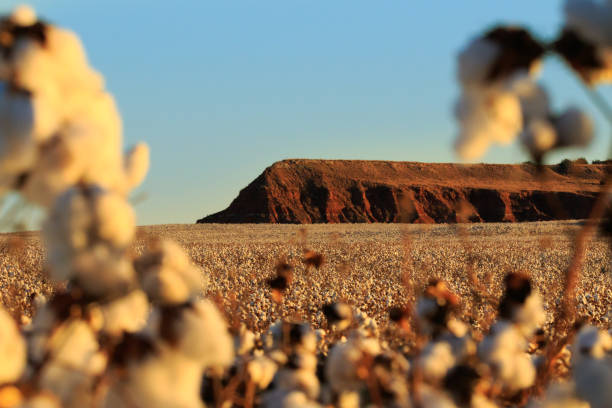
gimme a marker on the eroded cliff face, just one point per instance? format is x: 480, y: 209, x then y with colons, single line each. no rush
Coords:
x: 332, y: 191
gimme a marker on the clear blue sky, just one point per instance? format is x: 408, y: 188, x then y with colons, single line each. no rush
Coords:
x: 221, y: 90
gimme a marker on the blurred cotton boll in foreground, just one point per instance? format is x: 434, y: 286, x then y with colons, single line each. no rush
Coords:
x: 12, y: 349
x: 87, y: 234
x: 58, y: 124
x: 489, y: 109
x: 168, y: 275
x: 586, y: 42
x: 487, y: 116
x: 592, y: 366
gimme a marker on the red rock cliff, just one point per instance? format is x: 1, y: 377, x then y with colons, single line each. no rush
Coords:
x: 319, y: 191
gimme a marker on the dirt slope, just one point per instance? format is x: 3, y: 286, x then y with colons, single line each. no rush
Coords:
x: 321, y: 191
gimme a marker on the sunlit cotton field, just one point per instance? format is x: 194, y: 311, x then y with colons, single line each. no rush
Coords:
x: 97, y: 312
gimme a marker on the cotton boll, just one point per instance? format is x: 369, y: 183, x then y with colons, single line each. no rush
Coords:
x: 560, y: 395
x: 535, y: 102
x: 430, y: 397
x: 165, y: 379
x: 485, y: 117
x: 474, y: 62
x: 23, y: 15
x: 592, y: 366
x: 244, y: 341
x: 591, y: 19
x: 280, y: 398
x: 504, y: 350
x: 341, y: 368
x: 521, y: 305
x: 299, y: 400
x: 531, y: 316
x: 339, y: 315
x: 117, y: 218
x: 348, y: 399
x: 480, y: 401
x: 498, y: 57
x: 592, y: 342
x: 101, y: 272
x: 42, y: 400
x: 435, y: 361
x: 574, y: 128
x: 261, y: 371
x: 472, y: 144
x: 539, y: 137
x: 167, y: 275
x: 189, y: 329
x: 303, y: 380
x: 12, y: 349
x: 73, y: 131
x: 72, y: 362
x: 290, y: 337
x: 126, y: 314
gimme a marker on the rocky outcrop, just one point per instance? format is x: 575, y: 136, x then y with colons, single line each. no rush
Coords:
x: 333, y: 191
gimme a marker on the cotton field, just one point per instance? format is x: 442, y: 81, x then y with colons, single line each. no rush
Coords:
x: 98, y: 313
x: 373, y: 293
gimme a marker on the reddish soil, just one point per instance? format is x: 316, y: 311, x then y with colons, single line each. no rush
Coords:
x: 332, y: 191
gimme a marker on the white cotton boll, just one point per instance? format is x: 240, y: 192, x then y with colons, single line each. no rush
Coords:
x: 23, y: 15
x: 539, y: 136
x: 505, y: 114
x: 73, y: 361
x: 167, y: 274
x: 86, y: 234
x: 136, y: 165
x: 560, y: 395
x: 342, y: 363
x: 281, y: 398
x: 348, y: 399
x: 12, y: 349
x: 167, y: 379
x: 480, y: 401
x: 530, y: 316
x: 74, y: 345
x: 436, y: 360
x: 592, y: 366
x: 101, y: 271
x: 298, y: 399
x: 298, y: 380
x: 432, y: 398
x: 56, y: 169
x: 534, y: 100
x: 504, y: 349
x: 472, y: 145
x: 340, y: 367
x: 42, y: 400
x: 126, y: 314
x: 574, y: 128
x: 244, y: 342
x: 474, y: 62
x: 261, y: 371
x: 204, y: 336
x: 117, y: 222
x: 485, y: 117
x: 591, y: 19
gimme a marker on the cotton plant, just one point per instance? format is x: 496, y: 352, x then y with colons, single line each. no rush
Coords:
x: 121, y: 330
x: 60, y: 126
x: 500, y: 100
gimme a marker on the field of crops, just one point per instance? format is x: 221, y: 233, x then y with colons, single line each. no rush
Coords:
x: 364, y: 265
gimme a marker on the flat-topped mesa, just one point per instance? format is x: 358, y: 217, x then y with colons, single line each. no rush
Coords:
x: 331, y: 191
